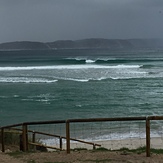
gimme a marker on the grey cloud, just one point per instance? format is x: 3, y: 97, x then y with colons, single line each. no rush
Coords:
x: 50, y: 20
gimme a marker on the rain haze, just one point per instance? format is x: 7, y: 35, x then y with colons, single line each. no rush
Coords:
x: 51, y: 20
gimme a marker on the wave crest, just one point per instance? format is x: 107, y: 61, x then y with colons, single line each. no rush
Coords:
x: 25, y: 80
x: 89, y: 61
x: 68, y: 67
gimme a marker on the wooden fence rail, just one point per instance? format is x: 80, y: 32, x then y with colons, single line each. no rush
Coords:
x: 25, y: 131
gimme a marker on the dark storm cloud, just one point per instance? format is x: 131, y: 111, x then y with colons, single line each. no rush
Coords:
x: 50, y: 20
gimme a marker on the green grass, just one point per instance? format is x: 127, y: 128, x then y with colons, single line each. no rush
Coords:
x: 101, y: 149
x: 157, y: 151
x: 18, y: 154
x: 142, y: 150
x: 138, y: 150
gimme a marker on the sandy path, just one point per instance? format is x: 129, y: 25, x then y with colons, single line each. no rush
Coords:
x: 5, y: 158
x: 81, y: 156
x: 90, y: 155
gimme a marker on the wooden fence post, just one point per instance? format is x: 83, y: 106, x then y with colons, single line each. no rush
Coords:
x: 2, y: 140
x: 147, y: 137
x: 34, y: 140
x: 60, y: 142
x: 25, y: 138
x: 68, y: 136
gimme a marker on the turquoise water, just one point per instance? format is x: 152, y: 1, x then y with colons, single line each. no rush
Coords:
x: 63, y: 84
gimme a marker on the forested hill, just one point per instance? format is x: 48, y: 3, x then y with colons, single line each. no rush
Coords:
x: 84, y: 44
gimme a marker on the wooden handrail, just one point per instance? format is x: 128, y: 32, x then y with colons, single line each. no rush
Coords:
x: 63, y: 137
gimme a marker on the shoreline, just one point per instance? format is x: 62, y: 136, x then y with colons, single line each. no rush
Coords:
x: 130, y: 143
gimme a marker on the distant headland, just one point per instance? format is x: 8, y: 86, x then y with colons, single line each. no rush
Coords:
x: 92, y: 43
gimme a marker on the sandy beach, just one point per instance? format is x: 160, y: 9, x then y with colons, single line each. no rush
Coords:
x: 130, y: 143
x: 113, y: 144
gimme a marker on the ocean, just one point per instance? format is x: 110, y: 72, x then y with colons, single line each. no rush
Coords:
x: 41, y: 85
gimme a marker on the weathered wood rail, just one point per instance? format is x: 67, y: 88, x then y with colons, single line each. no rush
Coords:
x: 23, y: 128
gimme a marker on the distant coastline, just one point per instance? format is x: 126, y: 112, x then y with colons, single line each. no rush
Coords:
x: 92, y: 43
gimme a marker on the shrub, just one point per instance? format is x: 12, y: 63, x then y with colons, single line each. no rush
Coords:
x: 11, y: 137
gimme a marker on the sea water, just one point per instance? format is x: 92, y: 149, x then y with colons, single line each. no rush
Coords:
x: 41, y: 85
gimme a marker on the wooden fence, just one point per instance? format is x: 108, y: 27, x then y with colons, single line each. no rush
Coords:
x: 23, y: 128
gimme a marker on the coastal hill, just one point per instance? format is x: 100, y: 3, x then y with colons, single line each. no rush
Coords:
x: 94, y: 43
x: 91, y: 43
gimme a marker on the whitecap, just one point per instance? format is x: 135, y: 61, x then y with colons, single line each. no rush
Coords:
x: 25, y: 80
x: 16, y: 96
x: 87, y: 66
x: 89, y: 61
x: 78, y: 80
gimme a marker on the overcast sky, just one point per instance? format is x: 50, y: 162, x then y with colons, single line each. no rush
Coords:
x: 51, y: 20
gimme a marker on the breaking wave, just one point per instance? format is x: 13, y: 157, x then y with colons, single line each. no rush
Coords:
x: 69, y: 67
x: 25, y: 80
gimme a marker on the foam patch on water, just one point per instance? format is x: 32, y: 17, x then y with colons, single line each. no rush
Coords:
x: 89, y: 61
x: 25, y: 80
x: 87, y: 66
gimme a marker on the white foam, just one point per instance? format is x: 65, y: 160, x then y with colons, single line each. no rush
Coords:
x: 73, y: 79
x: 77, y: 59
x: 3, y: 97
x: 89, y: 61
x: 88, y: 66
x: 113, y: 136
x: 16, y: 96
x: 102, y: 78
x: 120, y: 78
x: 80, y: 80
x: 94, y: 59
x: 118, y: 136
x: 25, y: 80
